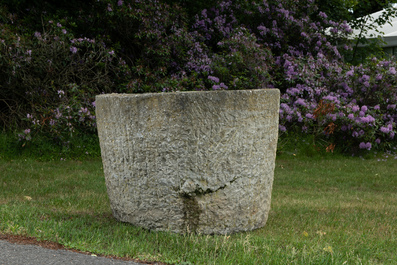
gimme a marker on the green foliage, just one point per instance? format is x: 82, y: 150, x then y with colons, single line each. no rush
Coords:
x: 242, y: 63
x: 44, y: 147
x: 9, y: 146
x: 49, y: 80
x: 55, y: 59
x: 364, y: 24
x: 363, y: 8
x: 295, y: 144
x: 337, y: 10
x: 356, y: 13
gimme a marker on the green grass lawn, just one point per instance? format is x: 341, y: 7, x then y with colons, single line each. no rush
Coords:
x: 333, y: 210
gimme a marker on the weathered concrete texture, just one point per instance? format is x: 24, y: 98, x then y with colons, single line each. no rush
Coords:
x: 190, y: 161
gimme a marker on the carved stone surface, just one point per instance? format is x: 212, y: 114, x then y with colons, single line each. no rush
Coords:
x: 190, y: 161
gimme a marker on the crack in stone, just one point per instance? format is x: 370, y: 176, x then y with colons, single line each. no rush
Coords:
x: 199, y: 191
x: 191, y: 208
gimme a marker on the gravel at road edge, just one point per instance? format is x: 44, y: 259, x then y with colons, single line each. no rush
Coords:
x: 19, y: 250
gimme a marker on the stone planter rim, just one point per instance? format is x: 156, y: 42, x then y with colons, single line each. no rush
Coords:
x: 146, y: 94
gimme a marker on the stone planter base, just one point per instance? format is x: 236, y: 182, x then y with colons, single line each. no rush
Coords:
x: 190, y: 161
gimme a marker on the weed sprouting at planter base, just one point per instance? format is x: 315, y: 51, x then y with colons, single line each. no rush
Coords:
x: 190, y: 161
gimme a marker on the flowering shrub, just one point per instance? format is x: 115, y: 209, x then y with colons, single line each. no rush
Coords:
x: 50, y: 77
x: 71, y: 114
x: 353, y: 105
x: 321, y: 94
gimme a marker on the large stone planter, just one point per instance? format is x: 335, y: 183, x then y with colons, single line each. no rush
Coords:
x: 190, y: 161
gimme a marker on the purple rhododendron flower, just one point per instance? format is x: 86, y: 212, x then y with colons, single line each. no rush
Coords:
x: 300, y: 101
x: 355, y: 108
x: 213, y: 78
x: 120, y: 3
x: 392, y: 70
x: 222, y: 85
x: 284, y: 106
x: 332, y: 98
x: 377, y: 141
x: 322, y: 14
x: 73, y: 49
x: 334, y: 30
x: 365, y: 78
x: 83, y: 110
x: 368, y: 119
x: 305, y: 35
x: 351, y: 116
x: 377, y: 107
x: 293, y: 91
x: 300, y: 119
x: 333, y: 116
x: 263, y: 30
x: 282, y: 128
x: 368, y: 146
x: 349, y: 73
x: 384, y: 129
